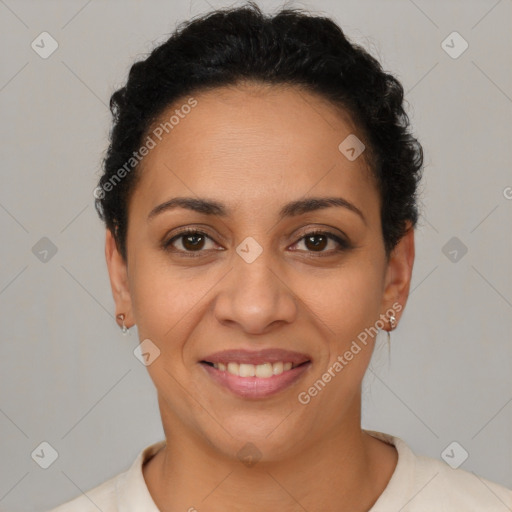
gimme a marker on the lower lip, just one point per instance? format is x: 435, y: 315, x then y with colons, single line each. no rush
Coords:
x: 256, y: 387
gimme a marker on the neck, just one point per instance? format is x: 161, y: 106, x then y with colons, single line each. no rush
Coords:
x: 347, y: 470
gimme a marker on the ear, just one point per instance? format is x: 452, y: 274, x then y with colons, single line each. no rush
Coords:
x: 118, y: 273
x: 398, y: 274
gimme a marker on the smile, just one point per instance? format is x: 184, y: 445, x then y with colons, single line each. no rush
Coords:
x: 255, y: 374
x: 263, y: 371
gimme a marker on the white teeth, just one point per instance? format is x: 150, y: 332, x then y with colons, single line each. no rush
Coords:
x: 246, y: 370
x: 233, y: 368
x: 264, y: 370
x: 278, y: 368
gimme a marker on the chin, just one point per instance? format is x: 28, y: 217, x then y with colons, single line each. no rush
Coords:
x: 268, y: 437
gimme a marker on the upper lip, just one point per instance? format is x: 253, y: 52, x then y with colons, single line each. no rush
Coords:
x: 271, y: 355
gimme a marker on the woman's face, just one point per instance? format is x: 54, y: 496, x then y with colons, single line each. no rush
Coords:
x: 255, y: 283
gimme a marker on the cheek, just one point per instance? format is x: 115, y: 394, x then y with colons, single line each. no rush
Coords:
x: 349, y: 305
x: 167, y: 306
x: 347, y: 300
x: 166, y: 301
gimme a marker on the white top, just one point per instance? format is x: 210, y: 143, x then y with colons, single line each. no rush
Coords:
x: 418, y: 484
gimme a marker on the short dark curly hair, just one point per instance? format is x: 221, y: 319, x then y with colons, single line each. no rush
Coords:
x: 292, y: 47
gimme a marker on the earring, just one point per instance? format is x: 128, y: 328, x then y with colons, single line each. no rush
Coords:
x: 392, y: 325
x: 123, y: 327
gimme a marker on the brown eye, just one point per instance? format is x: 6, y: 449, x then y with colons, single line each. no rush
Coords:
x: 317, y: 241
x: 187, y: 242
x: 193, y: 241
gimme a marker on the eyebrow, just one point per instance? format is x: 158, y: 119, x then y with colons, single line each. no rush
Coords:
x: 292, y: 209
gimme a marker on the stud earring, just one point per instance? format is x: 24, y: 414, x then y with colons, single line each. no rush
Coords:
x: 392, y: 325
x: 123, y: 327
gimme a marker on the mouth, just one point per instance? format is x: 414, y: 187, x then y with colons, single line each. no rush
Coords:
x: 255, y: 374
x: 262, y: 371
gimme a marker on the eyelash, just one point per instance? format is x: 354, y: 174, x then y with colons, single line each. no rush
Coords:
x: 343, y: 244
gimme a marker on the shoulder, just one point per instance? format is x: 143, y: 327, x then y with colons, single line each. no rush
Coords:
x: 424, y: 484
x: 458, y: 489
x: 102, y: 497
x: 125, y: 491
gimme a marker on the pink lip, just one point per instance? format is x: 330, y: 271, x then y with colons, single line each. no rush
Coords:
x: 270, y: 355
x: 255, y: 387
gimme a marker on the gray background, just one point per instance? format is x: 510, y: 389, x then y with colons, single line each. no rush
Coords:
x: 68, y: 376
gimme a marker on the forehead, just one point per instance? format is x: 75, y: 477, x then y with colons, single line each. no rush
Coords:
x: 253, y: 142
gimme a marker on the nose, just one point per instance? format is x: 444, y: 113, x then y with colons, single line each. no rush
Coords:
x: 255, y: 296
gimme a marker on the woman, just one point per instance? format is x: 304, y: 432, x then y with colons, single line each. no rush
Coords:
x: 259, y: 196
